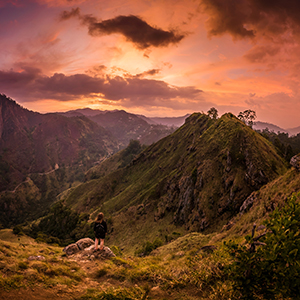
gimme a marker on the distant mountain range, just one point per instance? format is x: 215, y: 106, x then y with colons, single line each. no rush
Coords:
x: 31, y: 142
x: 88, y: 112
x: 125, y: 126
x: 173, y: 121
x: 47, y: 153
x: 271, y: 127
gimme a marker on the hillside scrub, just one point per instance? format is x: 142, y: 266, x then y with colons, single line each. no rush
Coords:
x: 47, y: 269
x: 61, y: 225
x: 287, y: 146
x: 189, y: 267
x: 268, y: 266
x: 117, y: 161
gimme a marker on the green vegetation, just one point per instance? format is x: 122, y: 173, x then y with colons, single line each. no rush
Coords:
x: 169, y: 208
x: 119, y: 160
x: 193, y: 266
x: 270, y: 267
x: 61, y: 226
x: 196, y: 179
x: 148, y: 247
x: 18, y: 271
x: 287, y: 146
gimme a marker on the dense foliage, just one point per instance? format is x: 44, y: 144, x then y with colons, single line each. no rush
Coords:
x: 130, y: 152
x: 287, y: 146
x: 62, y: 226
x: 273, y: 269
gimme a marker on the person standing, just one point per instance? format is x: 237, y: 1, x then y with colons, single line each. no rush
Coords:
x: 100, y: 230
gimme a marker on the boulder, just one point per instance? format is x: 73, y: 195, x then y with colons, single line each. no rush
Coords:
x: 78, y: 246
x: 99, y: 254
x: 71, y: 249
x: 295, y: 162
x: 84, y: 248
x: 247, y: 204
x: 85, y: 243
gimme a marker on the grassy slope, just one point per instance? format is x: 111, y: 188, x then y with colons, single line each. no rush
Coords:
x: 140, y: 199
x: 16, y: 271
x: 176, y: 271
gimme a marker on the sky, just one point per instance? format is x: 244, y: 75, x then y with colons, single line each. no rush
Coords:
x: 159, y: 58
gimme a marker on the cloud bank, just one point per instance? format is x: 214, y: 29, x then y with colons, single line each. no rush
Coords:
x: 253, y: 18
x: 32, y: 85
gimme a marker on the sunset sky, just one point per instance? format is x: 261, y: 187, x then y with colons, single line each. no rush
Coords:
x: 153, y: 57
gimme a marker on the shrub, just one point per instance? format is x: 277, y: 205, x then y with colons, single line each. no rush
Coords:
x: 148, y: 247
x: 274, y: 268
x: 18, y: 230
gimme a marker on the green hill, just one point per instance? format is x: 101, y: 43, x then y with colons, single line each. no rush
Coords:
x: 196, y: 179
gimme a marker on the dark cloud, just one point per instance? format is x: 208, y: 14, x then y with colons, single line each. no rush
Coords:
x: 32, y: 85
x: 252, y: 18
x: 148, y: 73
x: 133, y: 28
x: 65, y: 15
x: 261, y: 53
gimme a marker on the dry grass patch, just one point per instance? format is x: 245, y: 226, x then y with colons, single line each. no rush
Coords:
x: 27, y: 263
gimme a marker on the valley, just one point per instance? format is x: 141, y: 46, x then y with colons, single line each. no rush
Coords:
x: 177, y: 207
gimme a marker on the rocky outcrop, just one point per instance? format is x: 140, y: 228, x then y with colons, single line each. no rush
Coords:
x: 84, y: 248
x: 91, y: 253
x: 78, y: 246
x: 295, y: 162
x: 247, y: 204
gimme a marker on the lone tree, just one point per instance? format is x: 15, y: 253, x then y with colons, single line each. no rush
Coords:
x: 212, y: 113
x: 248, y: 116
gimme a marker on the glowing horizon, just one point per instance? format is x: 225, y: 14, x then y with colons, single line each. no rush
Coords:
x: 156, y: 58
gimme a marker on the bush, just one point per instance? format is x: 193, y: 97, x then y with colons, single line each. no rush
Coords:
x: 274, y: 268
x: 148, y: 247
x: 18, y: 230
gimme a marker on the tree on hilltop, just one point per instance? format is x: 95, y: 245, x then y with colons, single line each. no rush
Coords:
x: 248, y: 116
x: 212, y: 113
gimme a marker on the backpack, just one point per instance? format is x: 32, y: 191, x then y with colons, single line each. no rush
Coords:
x: 99, y: 228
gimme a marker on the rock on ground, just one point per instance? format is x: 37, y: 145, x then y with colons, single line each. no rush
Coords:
x: 295, y: 162
x: 78, y: 246
x: 84, y: 248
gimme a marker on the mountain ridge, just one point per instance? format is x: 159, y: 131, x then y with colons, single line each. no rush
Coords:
x: 45, y: 152
x: 196, y: 179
